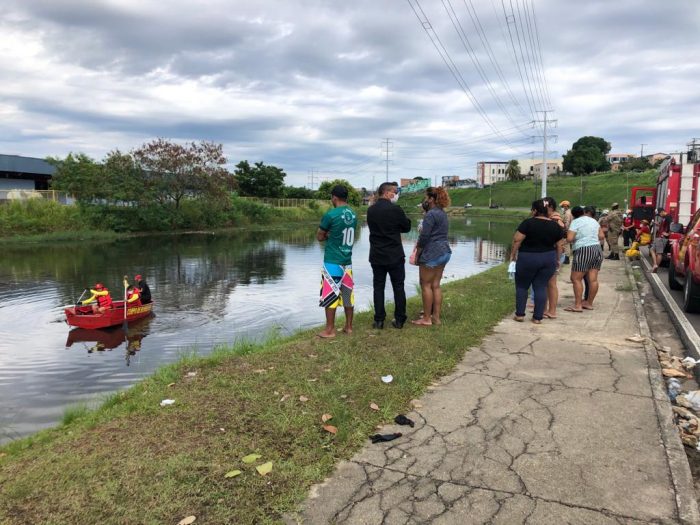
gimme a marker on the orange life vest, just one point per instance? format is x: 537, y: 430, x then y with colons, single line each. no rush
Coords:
x: 104, y: 301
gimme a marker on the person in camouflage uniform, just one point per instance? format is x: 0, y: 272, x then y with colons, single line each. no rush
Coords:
x: 614, y: 230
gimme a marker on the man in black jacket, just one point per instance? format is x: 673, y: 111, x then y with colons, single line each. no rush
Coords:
x: 387, y: 221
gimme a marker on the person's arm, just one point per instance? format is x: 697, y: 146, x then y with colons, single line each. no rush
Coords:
x: 428, y: 225
x: 134, y: 297
x: 601, y: 234
x: 403, y: 220
x: 90, y: 299
x: 321, y: 235
x: 518, y: 239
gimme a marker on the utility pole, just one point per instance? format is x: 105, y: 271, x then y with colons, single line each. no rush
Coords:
x: 387, y: 146
x: 544, y: 150
x: 313, y: 178
x: 641, y: 154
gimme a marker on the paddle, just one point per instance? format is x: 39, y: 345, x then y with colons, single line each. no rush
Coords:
x: 125, y: 325
x: 81, y: 296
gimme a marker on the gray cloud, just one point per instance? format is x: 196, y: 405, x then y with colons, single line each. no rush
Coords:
x: 313, y: 84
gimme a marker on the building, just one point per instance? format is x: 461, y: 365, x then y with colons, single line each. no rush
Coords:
x: 615, y: 159
x: 532, y: 168
x: 24, y: 173
x: 656, y: 157
x: 489, y: 172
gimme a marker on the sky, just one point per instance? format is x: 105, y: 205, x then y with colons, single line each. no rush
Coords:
x: 317, y: 87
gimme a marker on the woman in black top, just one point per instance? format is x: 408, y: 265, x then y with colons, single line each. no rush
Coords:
x: 537, y: 245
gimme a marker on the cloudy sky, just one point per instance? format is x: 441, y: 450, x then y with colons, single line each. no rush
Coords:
x: 318, y: 85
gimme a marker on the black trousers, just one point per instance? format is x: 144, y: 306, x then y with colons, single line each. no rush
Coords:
x: 397, y: 274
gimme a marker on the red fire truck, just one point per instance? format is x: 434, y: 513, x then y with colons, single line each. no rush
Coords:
x: 678, y: 195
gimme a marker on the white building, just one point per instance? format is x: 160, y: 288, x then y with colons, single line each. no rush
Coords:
x: 533, y: 167
x: 488, y: 172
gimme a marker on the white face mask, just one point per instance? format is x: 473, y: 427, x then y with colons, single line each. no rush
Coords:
x: 395, y: 198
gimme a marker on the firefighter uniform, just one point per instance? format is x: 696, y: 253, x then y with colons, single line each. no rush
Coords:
x: 614, y: 230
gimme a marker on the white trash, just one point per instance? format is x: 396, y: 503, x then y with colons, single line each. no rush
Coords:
x: 693, y: 397
x: 387, y: 379
x: 167, y: 402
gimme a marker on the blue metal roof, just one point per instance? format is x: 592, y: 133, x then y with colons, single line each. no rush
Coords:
x: 31, y: 165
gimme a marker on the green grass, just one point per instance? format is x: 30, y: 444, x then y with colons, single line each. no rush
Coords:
x: 132, y: 461
x: 600, y: 190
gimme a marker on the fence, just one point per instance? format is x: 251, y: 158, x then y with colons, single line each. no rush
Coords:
x: 285, y: 203
x: 24, y: 195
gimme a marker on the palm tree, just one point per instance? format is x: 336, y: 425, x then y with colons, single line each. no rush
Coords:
x: 513, y: 170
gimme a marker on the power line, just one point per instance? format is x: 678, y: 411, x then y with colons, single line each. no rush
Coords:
x: 445, y: 56
x: 489, y: 51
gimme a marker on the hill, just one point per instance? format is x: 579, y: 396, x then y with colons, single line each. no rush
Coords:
x: 600, y: 190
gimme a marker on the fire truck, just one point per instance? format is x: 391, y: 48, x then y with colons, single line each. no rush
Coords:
x: 677, y: 193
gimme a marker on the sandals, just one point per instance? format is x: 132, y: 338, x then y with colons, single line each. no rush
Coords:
x: 549, y: 316
x: 572, y: 309
x: 519, y: 318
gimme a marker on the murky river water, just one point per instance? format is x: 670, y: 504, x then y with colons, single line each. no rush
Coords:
x: 208, y: 289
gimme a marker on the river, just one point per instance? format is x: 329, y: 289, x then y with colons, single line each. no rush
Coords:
x: 209, y: 289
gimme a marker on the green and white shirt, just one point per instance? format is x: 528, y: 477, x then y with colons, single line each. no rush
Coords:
x: 340, y: 223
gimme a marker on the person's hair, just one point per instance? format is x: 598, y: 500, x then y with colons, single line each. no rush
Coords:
x: 442, y: 198
x: 576, y: 212
x: 539, y: 207
x: 550, y: 203
x: 340, y: 191
x: 590, y: 210
x: 384, y: 186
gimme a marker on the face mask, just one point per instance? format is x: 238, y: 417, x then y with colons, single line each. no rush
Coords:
x: 425, y: 205
x: 395, y: 198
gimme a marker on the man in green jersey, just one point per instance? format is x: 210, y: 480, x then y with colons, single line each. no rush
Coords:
x: 337, y: 229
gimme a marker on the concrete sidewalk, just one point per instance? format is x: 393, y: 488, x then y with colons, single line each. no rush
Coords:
x: 565, y: 422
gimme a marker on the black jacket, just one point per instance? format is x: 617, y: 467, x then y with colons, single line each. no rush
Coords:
x: 386, y: 223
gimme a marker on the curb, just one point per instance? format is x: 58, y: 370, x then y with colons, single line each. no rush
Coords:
x: 679, y: 469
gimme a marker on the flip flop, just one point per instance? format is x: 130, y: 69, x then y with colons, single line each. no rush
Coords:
x: 419, y: 322
x: 320, y: 336
x: 536, y: 321
x: 518, y: 318
x: 588, y: 307
x: 572, y: 309
x: 549, y: 316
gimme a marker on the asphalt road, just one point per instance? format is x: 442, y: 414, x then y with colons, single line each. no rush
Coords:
x: 693, y: 319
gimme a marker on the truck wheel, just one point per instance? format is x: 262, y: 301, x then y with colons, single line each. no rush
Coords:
x: 691, y: 295
x: 673, y: 283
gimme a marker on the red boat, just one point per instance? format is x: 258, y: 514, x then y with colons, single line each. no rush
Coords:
x: 83, y: 316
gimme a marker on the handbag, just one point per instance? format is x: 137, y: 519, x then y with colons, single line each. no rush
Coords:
x: 412, y: 259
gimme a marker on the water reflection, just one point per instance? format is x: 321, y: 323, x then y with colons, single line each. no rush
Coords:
x: 209, y: 289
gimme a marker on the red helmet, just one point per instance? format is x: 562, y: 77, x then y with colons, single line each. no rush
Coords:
x: 99, y: 286
x: 138, y: 278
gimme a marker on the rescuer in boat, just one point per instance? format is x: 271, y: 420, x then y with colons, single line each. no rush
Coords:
x: 145, y: 290
x: 100, y: 298
x: 133, y: 296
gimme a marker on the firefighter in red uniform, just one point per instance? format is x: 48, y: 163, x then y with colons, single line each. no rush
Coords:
x: 100, y: 294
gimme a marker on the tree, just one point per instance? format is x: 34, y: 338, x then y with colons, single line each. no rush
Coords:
x: 587, y: 155
x: 513, y: 170
x: 122, y: 178
x: 299, y: 192
x: 78, y: 175
x: 259, y: 180
x: 324, y: 191
x: 637, y: 164
x: 173, y: 171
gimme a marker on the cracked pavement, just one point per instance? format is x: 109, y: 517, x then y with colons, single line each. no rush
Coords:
x: 563, y: 422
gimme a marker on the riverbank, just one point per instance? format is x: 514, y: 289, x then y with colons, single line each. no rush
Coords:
x: 47, y: 221
x: 137, y: 462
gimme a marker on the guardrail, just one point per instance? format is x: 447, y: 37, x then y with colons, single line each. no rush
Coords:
x: 284, y: 203
x: 25, y: 195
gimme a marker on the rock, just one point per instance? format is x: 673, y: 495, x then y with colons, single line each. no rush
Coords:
x: 683, y: 412
x: 636, y: 338
x: 689, y: 440
x: 672, y: 372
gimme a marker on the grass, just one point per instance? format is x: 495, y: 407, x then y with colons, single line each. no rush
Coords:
x: 600, y: 190
x: 132, y: 461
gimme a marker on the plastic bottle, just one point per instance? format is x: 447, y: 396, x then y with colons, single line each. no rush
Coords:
x: 511, y: 270
x: 674, y: 388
